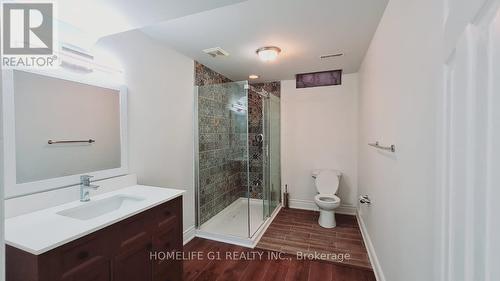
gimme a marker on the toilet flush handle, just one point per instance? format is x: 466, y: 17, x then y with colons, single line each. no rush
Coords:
x: 364, y: 199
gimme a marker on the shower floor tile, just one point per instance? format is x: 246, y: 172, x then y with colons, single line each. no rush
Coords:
x: 297, y: 231
x: 233, y: 219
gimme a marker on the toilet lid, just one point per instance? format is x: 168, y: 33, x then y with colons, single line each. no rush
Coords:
x: 327, y: 182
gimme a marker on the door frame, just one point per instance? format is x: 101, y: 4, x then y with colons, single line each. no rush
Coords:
x: 468, y: 254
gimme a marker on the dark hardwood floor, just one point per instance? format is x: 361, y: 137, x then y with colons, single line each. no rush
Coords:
x: 210, y: 260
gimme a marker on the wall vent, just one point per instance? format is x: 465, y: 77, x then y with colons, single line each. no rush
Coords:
x: 216, y: 52
x: 318, y: 79
x: 76, y: 59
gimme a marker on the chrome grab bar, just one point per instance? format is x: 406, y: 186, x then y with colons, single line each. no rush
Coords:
x: 71, y: 141
x: 391, y: 148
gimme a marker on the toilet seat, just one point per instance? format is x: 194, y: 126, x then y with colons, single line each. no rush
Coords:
x: 327, y: 182
x: 327, y: 198
x: 327, y: 202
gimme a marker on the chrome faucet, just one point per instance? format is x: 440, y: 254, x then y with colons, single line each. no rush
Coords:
x: 85, y: 187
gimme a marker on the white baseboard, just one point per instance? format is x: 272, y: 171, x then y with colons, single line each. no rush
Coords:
x: 311, y: 205
x: 189, y: 234
x: 230, y: 239
x: 377, y: 269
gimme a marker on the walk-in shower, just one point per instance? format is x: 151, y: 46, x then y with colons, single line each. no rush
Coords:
x: 238, y: 159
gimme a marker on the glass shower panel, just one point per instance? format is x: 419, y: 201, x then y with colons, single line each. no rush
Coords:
x: 222, y: 169
x: 274, y: 153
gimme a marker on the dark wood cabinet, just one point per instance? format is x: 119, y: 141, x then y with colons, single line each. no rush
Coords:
x: 134, y: 264
x: 120, y: 252
x: 96, y: 270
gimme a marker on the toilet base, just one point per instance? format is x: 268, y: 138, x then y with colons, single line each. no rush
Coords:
x: 327, y: 219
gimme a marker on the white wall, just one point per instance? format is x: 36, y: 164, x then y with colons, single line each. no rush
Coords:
x: 319, y: 130
x: 160, y: 91
x: 2, y: 244
x: 400, y: 81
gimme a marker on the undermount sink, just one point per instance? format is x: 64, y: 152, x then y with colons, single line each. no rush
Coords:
x: 100, y: 207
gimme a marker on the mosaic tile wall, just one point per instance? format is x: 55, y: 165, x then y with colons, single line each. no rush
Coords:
x: 255, y: 128
x: 222, y: 143
x: 206, y: 76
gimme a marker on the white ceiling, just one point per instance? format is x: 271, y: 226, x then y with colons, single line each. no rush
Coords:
x: 105, y: 17
x: 303, y: 29
x: 83, y: 22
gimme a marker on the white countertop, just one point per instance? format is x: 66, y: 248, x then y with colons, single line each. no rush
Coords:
x: 44, y: 230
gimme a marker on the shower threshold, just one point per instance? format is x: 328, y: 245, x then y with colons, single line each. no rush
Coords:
x: 231, y: 225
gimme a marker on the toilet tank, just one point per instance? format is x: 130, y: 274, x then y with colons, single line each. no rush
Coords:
x: 316, y: 172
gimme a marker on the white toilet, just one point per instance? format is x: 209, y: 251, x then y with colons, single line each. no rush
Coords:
x: 327, y: 184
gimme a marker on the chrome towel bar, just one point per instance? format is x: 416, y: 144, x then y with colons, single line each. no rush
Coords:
x: 391, y: 148
x: 71, y: 141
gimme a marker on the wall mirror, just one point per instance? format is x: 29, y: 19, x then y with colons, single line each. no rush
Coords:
x: 58, y: 127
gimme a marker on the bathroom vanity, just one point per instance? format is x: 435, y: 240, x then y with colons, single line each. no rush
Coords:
x: 62, y: 129
x: 109, y: 238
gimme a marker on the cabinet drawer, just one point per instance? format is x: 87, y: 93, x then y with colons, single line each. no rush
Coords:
x: 167, y: 239
x: 82, y: 253
x: 168, y: 214
x: 132, y: 231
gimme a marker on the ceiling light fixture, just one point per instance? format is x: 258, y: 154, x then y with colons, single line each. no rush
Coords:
x: 269, y: 53
x: 253, y: 76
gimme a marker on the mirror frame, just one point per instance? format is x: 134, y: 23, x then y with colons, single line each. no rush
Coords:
x: 14, y: 189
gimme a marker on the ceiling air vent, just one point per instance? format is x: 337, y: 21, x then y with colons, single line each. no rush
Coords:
x: 216, y: 52
x: 331, y: 56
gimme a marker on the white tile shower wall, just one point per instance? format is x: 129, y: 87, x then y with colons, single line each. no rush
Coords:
x: 161, y: 128
x: 319, y: 130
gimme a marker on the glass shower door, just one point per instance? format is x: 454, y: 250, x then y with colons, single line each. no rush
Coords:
x: 274, y: 153
x: 272, y: 167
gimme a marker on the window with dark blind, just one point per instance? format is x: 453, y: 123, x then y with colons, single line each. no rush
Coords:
x: 318, y: 79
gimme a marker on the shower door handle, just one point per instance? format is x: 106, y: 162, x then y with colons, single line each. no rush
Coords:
x: 259, y: 138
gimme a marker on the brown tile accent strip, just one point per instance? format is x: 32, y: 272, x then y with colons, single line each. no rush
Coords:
x: 298, y: 232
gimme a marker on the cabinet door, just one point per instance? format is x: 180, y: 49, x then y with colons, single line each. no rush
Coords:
x: 167, y: 240
x: 134, y: 263
x: 95, y: 270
